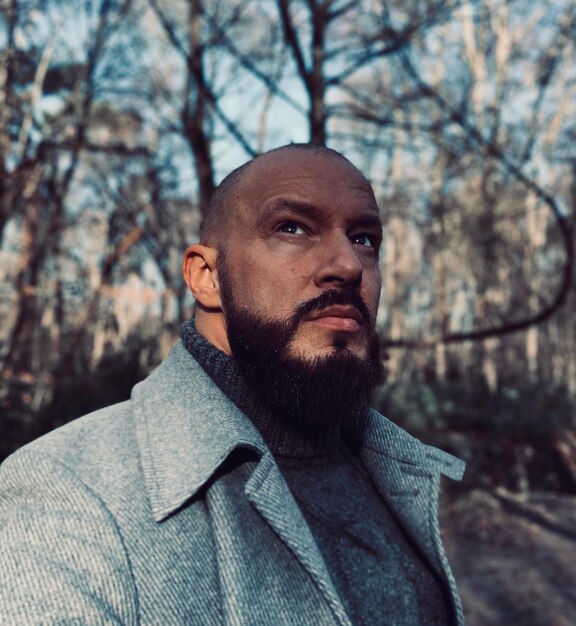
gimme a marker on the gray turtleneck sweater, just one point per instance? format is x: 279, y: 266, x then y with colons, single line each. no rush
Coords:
x: 381, y: 577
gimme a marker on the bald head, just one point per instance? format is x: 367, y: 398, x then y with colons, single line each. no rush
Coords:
x: 229, y: 195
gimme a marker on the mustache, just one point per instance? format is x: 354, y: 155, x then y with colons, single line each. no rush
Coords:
x: 329, y: 298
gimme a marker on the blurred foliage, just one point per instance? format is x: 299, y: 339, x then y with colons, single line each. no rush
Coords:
x: 520, y: 438
x: 523, y: 412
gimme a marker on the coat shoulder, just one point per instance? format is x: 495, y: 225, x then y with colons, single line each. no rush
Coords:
x: 61, y: 548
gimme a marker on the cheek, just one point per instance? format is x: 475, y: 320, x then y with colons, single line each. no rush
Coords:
x: 284, y: 282
x: 270, y: 291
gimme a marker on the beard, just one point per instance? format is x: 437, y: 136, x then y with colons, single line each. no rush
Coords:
x: 325, y: 398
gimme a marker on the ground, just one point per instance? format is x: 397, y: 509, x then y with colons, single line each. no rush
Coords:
x: 513, y: 557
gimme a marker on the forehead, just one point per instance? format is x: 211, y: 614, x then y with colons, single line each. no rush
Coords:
x: 322, y: 180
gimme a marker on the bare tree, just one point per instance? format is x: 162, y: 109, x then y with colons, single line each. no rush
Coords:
x: 195, y: 38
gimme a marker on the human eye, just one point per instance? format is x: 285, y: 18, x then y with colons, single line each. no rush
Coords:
x: 291, y: 228
x: 363, y: 239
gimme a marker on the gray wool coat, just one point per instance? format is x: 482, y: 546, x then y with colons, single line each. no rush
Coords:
x: 169, y: 509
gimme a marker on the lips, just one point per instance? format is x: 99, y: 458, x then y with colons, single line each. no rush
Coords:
x: 342, y: 310
x: 345, y: 318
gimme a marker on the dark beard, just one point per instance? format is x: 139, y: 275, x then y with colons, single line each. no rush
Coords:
x: 326, y: 398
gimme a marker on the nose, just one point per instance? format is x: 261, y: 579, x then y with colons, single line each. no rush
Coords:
x: 339, y: 265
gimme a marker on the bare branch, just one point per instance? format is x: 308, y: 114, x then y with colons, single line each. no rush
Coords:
x: 291, y: 38
x: 562, y: 222
x: 36, y: 93
x: 168, y: 28
x: 246, y: 62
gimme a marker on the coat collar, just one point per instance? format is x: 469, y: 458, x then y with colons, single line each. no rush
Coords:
x: 386, y: 439
x: 186, y: 428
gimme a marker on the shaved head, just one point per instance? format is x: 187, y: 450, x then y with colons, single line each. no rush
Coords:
x: 228, y: 195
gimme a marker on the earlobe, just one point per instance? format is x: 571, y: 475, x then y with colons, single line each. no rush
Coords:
x: 199, y: 271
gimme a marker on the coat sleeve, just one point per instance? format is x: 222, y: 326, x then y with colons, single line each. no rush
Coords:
x: 62, y: 559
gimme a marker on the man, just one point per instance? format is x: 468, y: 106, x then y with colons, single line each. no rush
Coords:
x: 246, y: 481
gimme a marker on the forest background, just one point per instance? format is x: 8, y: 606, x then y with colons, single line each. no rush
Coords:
x: 119, y: 117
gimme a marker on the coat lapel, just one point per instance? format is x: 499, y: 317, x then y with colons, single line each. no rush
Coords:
x: 187, y: 429
x: 410, y: 491
x: 269, y: 568
x: 270, y: 495
x: 407, y: 474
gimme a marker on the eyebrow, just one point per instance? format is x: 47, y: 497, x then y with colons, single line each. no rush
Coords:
x: 296, y: 206
x: 306, y: 209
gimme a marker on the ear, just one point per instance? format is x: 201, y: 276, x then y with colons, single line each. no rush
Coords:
x: 199, y: 270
